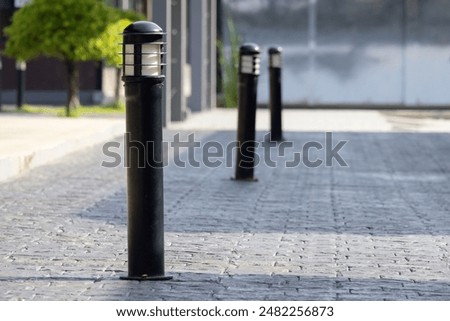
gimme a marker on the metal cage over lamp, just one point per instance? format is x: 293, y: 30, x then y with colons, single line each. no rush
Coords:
x: 275, y: 57
x: 143, y: 50
x: 250, y: 59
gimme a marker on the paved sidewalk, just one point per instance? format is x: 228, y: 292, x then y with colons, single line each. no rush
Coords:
x: 28, y: 141
x: 376, y: 230
x: 310, y: 120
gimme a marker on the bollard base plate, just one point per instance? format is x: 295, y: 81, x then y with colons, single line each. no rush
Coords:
x: 276, y: 139
x: 146, y: 278
x: 251, y: 179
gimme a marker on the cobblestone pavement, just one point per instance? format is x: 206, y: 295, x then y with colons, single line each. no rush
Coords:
x: 376, y: 230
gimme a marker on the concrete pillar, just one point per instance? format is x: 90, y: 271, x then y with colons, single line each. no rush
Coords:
x: 212, y: 54
x: 178, y: 60
x: 198, y: 52
x: 172, y: 16
x: 161, y: 14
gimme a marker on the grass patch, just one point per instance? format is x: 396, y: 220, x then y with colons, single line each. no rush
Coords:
x: 230, y: 67
x: 60, y: 111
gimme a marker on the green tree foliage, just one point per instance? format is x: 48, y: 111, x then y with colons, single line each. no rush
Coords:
x: 109, y: 42
x: 62, y: 29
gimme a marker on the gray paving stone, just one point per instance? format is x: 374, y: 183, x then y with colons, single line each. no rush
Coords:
x: 377, y: 230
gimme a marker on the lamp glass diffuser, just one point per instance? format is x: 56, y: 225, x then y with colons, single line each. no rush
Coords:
x: 250, y: 64
x: 21, y: 65
x: 275, y: 60
x: 256, y: 64
x: 151, y: 60
x: 129, y: 60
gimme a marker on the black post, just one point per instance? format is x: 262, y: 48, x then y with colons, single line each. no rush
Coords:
x: 1, y: 82
x: 20, y: 67
x: 249, y: 64
x: 275, y: 103
x: 144, y: 81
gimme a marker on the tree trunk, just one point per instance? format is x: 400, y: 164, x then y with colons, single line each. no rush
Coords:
x: 73, y: 85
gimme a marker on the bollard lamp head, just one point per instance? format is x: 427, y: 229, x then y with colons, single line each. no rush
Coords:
x: 143, y: 50
x: 275, y: 57
x: 250, y: 60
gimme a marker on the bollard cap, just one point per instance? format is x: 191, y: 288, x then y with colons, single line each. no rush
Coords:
x: 275, y: 50
x: 249, y: 49
x: 141, y: 32
x: 143, y: 27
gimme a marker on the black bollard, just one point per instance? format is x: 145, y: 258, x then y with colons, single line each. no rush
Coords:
x: 249, y: 65
x: 275, y: 102
x: 144, y: 81
x: 21, y: 66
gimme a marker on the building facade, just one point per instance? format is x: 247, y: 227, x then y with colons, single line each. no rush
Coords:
x: 357, y: 53
x: 191, y: 60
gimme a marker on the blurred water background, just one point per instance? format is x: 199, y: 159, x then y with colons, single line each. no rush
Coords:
x: 352, y: 52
